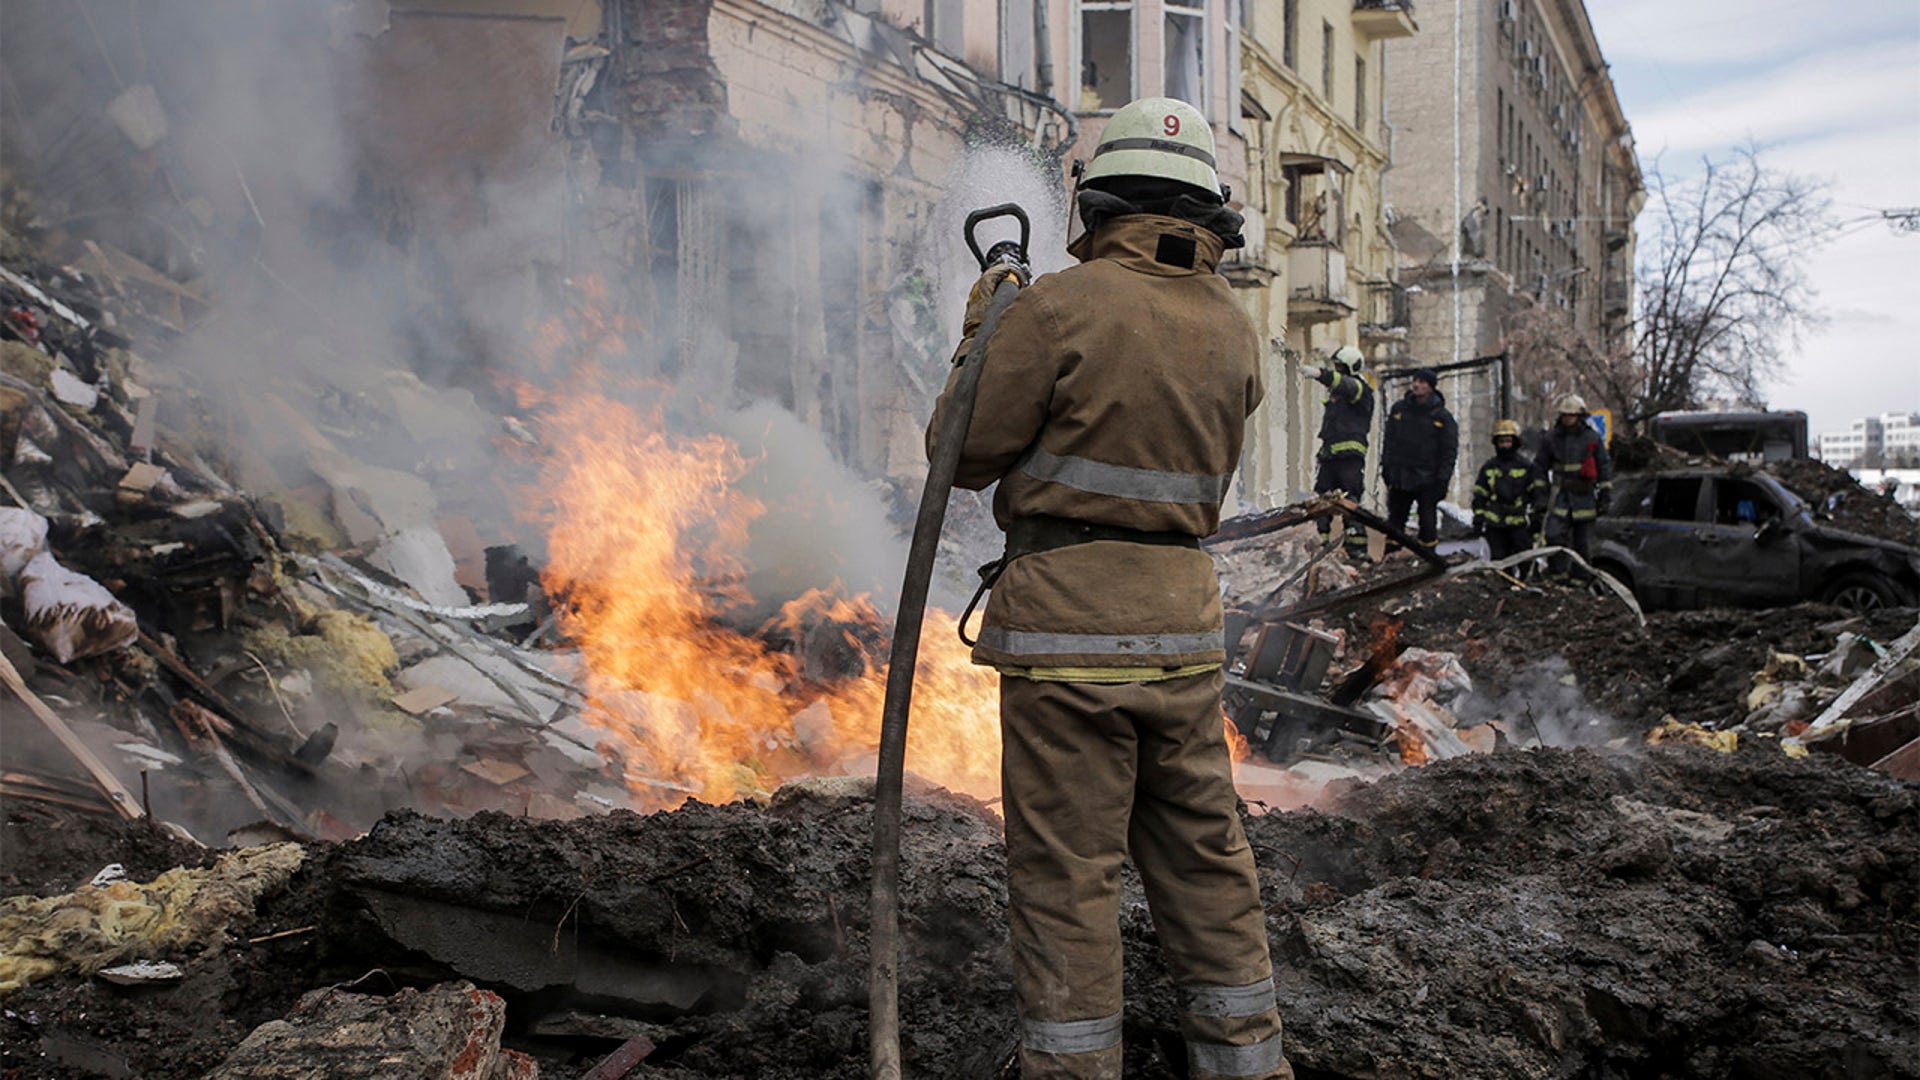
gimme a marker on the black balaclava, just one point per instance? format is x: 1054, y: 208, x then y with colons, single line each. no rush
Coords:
x: 1110, y: 197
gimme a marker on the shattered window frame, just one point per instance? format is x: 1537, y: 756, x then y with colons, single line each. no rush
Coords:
x: 1108, y: 13
x: 1184, y: 37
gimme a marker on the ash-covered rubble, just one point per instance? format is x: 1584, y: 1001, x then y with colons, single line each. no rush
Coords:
x: 222, y: 614
x: 1673, y: 912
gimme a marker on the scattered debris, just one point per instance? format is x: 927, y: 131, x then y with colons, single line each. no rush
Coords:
x: 95, y: 927
x: 447, y: 1032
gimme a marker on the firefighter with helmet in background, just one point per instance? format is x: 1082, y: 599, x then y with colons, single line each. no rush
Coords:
x: 1575, y: 461
x: 1508, y: 494
x: 1112, y: 406
x: 1343, y: 438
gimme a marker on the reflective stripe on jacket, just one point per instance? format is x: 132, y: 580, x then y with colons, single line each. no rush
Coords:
x: 1508, y: 486
x: 1564, y: 458
x: 1348, y: 421
x: 1114, y: 392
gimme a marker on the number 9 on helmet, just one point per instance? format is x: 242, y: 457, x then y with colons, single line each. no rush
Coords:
x: 1159, y: 137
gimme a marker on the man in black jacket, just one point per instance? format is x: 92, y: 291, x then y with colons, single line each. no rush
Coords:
x: 1417, y: 455
x: 1344, y: 428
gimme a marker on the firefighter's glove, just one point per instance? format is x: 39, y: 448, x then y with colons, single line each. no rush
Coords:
x: 1479, y: 527
x: 982, y: 294
x: 1312, y: 372
x: 1603, y: 500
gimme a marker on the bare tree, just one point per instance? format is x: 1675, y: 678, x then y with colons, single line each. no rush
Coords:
x: 1558, y: 358
x: 1722, y: 289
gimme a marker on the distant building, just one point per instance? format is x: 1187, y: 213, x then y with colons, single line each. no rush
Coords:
x: 1888, y: 440
x: 1317, y: 270
x: 1518, y: 192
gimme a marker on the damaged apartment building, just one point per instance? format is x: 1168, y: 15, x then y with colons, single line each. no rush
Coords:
x: 763, y: 198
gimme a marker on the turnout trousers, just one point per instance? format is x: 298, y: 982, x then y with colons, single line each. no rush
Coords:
x: 1347, y: 474
x: 1505, y: 540
x: 1570, y: 525
x: 1090, y: 773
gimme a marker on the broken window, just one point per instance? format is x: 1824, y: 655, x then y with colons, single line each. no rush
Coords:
x: 1289, y: 31
x: 1676, y: 498
x: 1742, y: 502
x: 1326, y: 62
x: 842, y: 290
x: 1360, y: 95
x: 1016, y: 43
x: 1314, y: 197
x: 1632, y: 498
x: 663, y: 263
x: 944, y: 25
x: 1106, y: 56
x: 1186, y: 48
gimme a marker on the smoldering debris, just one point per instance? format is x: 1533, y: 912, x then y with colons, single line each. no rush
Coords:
x: 733, y: 937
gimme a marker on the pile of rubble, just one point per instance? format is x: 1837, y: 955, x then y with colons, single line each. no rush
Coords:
x: 1707, y: 915
x: 233, y: 612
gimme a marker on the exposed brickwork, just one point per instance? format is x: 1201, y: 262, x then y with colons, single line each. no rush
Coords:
x: 671, y: 86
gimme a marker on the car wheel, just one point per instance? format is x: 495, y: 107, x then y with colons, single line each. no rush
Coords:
x: 1860, y: 592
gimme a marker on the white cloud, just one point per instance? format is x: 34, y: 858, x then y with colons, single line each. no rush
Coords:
x: 1692, y: 33
x: 1868, y: 88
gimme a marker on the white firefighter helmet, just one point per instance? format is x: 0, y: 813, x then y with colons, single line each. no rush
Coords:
x: 1571, y: 404
x: 1349, y: 359
x: 1157, y: 136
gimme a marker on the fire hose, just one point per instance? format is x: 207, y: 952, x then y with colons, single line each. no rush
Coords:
x: 883, y: 972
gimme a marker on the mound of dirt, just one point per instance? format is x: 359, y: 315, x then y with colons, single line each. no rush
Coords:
x: 1675, y: 912
x: 1696, y: 666
x: 1835, y: 495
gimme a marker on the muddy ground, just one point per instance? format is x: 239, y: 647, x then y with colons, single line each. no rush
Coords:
x: 1669, y: 914
x: 1696, y: 666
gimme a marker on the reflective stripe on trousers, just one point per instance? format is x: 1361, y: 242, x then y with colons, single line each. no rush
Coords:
x: 1037, y: 643
x: 1230, y: 1001
x: 1219, y: 1059
x: 1124, y: 481
x: 1070, y: 1036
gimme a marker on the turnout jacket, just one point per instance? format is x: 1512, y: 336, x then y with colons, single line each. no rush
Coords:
x: 1421, y: 444
x: 1115, y: 393
x: 1345, y: 425
x: 1577, y: 463
x: 1507, y: 487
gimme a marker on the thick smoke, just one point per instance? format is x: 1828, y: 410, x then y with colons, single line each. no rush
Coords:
x: 1543, y: 705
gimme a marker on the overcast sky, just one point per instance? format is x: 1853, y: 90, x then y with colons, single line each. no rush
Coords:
x: 1826, y: 89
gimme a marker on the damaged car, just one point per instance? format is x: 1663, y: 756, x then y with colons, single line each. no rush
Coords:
x: 1732, y: 537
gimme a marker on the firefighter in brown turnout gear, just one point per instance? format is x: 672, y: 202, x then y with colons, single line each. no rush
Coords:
x: 1111, y: 409
x: 1508, y: 495
x: 1343, y: 439
x: 1575, y: 461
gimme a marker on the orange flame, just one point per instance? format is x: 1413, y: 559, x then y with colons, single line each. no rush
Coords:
x: 644, y: 534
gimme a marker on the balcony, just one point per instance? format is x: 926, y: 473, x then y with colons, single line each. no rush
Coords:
x: 1618, y: 298
x: 1385, y: 313
x: 1384, y: 19
x: 1317, y: 282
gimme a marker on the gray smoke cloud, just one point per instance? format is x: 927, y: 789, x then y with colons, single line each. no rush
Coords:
x: 1543, y: 704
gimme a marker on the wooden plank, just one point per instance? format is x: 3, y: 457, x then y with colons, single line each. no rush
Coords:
x: 621, y: 1062
x: 122, y: 798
